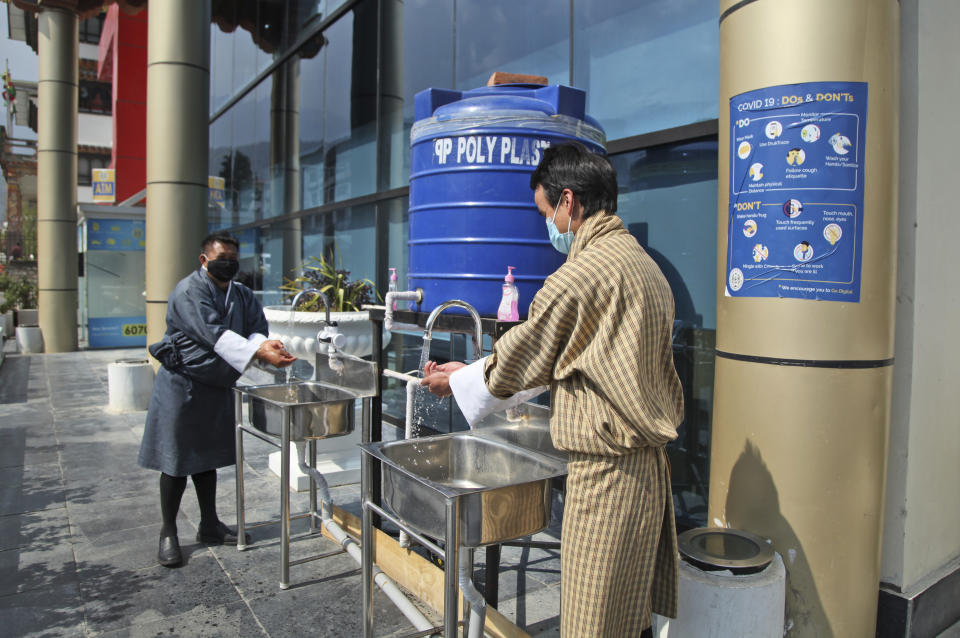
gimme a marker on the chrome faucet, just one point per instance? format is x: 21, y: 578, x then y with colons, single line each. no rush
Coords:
x: 478, y: 327
x: 323, y: 297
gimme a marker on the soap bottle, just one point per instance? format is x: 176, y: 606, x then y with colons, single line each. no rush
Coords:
x: 508, y: 302
x: 393, y: 284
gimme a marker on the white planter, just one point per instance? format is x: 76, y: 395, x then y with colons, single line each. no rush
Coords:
x: 130, y: 383
x: 300, y: 336
x: 28, y: 317
x: 6, y: 320
x: 29, y: 339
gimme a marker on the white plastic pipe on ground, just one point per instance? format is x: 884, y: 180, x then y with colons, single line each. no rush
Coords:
x: 478, y: 606
x: 387, y: 586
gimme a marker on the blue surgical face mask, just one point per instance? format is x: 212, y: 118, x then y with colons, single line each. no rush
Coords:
x: 560, y: 241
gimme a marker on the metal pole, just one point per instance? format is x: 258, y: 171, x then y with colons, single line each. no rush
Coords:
x: 366, y: 541
x: 238, y: 407
x: 285, y: 502
x: 451, y: 589
x: 312, y: 448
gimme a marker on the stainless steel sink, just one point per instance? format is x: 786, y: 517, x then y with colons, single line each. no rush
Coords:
x: 531, y: 432
x: 503, y: 490
x: 317, y: 411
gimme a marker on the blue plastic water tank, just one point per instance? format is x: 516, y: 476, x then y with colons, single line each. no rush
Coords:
x: 471, y: 207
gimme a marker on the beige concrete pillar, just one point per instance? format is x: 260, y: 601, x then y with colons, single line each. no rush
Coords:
x: 285, y: 159
x: 802, y: 392
x: 57, y: 79
x: 178, y: 110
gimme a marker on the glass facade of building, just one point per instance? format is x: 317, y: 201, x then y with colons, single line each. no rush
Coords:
x: 312, y: 106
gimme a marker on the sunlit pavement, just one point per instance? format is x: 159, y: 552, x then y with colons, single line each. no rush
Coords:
x: 79, y: 526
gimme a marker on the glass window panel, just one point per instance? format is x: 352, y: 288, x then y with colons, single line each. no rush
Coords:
x: 425, y: 60
x: 668, y: 201
x: 629, y: 54
x: 338, y: 155
x: 221, y: 67
x: 506, y: 35
x: 311, y: 130
x: 270, y: 261
x: 347, y: 237
x: 220, y: 165
x: 251, y: 155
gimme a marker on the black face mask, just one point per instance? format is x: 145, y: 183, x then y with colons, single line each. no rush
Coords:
x: 223, y: 269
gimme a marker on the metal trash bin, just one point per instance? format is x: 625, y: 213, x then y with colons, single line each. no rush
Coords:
x: 732, y: 583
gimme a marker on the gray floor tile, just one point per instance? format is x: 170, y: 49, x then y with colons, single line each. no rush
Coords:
x: 27, y: 568
x: 39, y: 530
x: 116, y: 598
x: 234, y: 620
x: 30, y: 488
x: 46, y: 613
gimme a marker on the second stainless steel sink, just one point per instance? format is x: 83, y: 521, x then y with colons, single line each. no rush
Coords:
x: 317, y: 411
x: 503, y: 490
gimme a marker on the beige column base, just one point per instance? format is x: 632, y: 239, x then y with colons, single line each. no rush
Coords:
x: 798, y: 456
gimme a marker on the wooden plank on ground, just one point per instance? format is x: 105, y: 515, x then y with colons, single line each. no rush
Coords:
x: 418, y: 575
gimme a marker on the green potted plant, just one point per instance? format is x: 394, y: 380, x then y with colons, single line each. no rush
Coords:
x: 20, y: 295
x: 298, y: 330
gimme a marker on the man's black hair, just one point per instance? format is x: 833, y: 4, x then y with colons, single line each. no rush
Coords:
x: 219, y: 236
x: 590, y: 176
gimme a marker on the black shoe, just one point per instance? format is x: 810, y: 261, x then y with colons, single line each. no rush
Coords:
x: 220, y: 535
x: 169, y: 553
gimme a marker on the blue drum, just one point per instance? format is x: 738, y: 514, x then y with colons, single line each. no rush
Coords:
x: 471, y: 207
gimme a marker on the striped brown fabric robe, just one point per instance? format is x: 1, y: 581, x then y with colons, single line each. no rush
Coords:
x: 599, y: 334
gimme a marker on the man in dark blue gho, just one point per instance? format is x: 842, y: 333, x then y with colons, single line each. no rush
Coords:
x: 215, y: 329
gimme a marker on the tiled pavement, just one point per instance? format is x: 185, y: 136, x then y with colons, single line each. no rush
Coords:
x: 79, y: 522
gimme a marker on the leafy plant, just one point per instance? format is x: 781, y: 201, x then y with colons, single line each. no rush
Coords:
x: 344, y: 295
x: 19, y: 293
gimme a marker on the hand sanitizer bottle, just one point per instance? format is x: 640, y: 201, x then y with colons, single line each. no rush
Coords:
x: 508, y: 302
x: 393, y: 284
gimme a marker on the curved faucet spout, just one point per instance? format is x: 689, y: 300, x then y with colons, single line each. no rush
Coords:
x: 323, y: 298
x: 477, y: 326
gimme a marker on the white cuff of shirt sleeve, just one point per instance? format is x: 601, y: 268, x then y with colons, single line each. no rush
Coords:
x: 470, y: 391
x: 236, y: 350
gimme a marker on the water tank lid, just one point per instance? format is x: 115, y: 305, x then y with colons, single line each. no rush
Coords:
x: 556, y: 99
x: 715, y: 548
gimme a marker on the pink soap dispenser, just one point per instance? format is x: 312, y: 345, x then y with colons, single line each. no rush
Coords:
x: 393, y: 287
x: 511, y: 297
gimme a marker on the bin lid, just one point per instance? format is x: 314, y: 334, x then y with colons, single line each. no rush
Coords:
x: 715, y: 548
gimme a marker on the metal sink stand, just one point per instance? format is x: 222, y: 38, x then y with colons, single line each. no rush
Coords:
x: 445, y: 323
x: 451, y: 588
x: 282, y: 442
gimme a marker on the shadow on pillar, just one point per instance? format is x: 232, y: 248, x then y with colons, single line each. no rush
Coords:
x: 754, y: 505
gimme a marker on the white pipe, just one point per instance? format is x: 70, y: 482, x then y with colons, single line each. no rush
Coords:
x: 392, y: 298
x: 478, y: 606
x: 350, y: 546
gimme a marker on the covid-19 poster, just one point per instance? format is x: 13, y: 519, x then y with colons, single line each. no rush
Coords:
x: 796, y: 191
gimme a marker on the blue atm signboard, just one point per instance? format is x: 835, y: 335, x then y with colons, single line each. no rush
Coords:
x: 796, y: 191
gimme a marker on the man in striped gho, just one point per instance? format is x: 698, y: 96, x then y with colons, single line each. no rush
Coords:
x: 599, y: 334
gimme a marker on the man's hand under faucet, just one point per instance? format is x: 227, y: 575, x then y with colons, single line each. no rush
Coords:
x: 272, y: 351
x: 437, y: 376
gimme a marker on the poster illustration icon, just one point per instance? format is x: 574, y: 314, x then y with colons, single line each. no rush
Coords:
x: 773, y: 129
x: 749, y: 228
x: 803, y: 252
x: 832, y: 233
x: 792, y: 208
x: 810, y: 133
x: 743, y: 151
